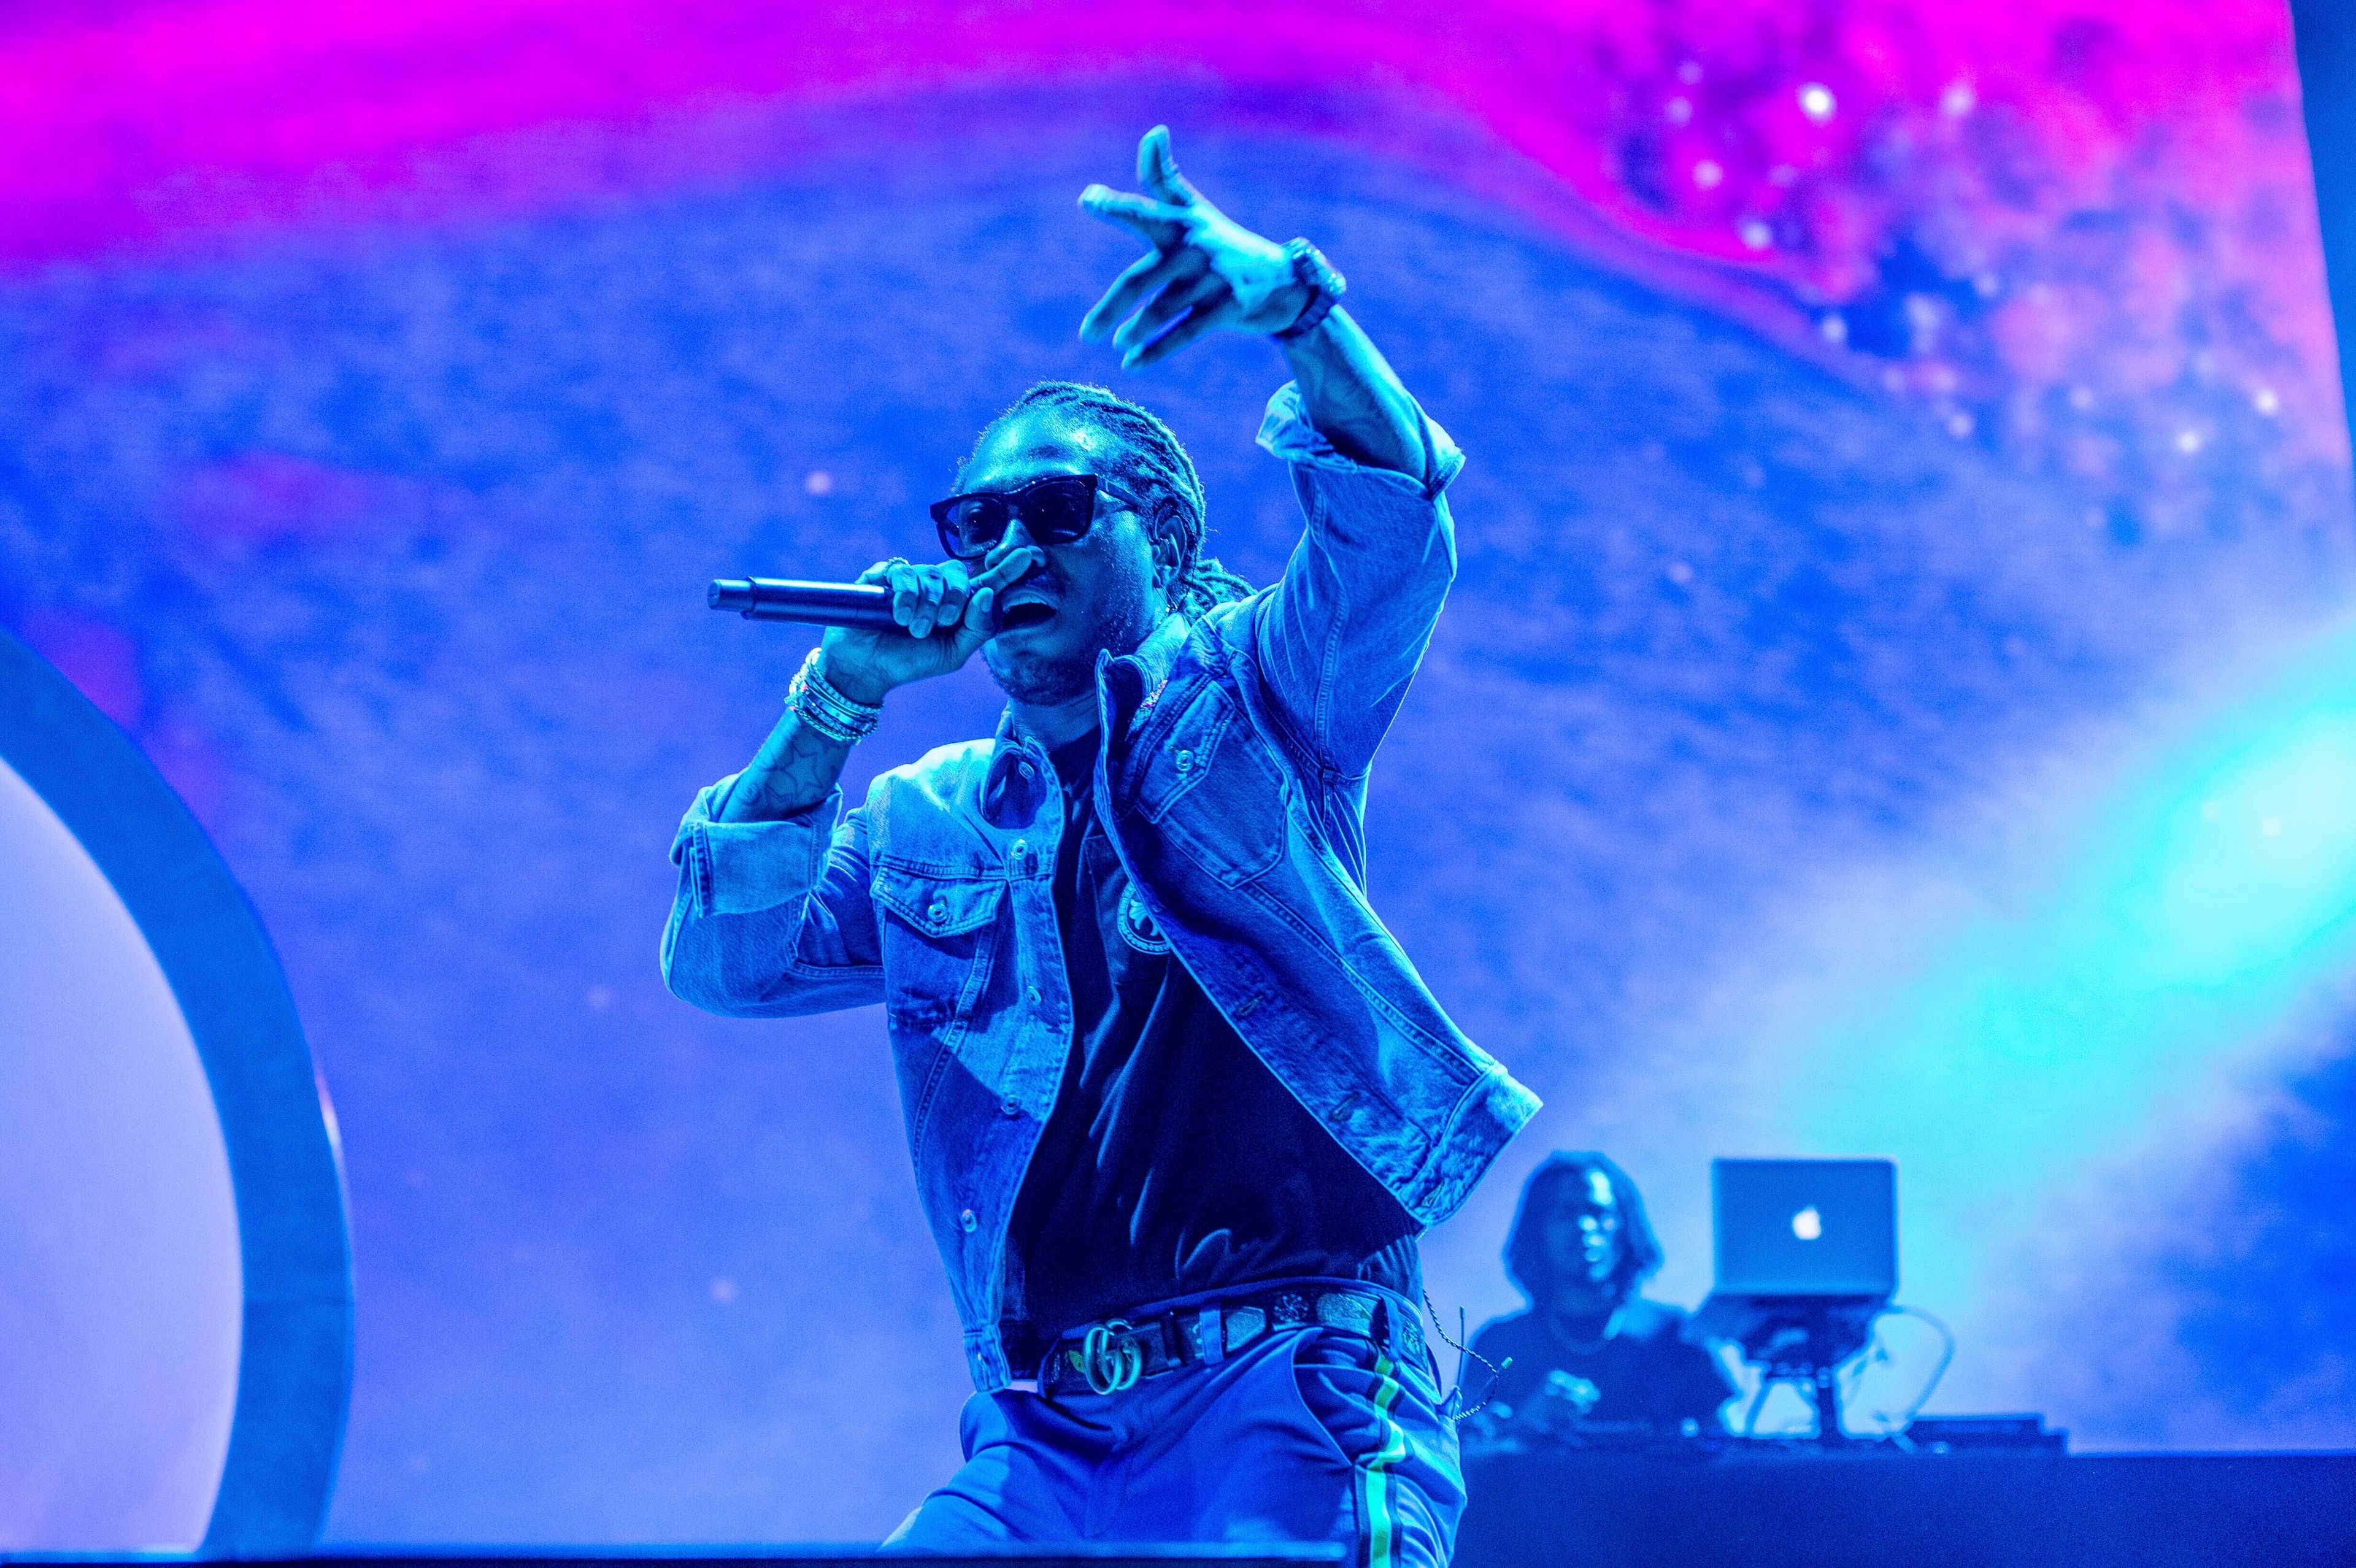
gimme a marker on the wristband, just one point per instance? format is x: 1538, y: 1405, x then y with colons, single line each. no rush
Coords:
x: 1312, y: 271
x: 819, y: 705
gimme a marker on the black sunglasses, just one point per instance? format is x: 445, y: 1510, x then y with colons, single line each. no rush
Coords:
x: 1053, y: 511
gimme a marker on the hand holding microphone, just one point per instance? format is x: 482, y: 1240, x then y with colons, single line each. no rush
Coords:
x: 924, y: 621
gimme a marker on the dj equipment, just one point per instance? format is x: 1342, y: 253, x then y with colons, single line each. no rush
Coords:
x: 1806, y: 1258
x: 1984, y: 1434
x: 1805, y: 1227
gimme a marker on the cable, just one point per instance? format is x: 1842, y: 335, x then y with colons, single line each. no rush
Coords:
x: 1877, y: 1352
x: 1451, y: 1408
x: 1946, y: 1357
x: 1758, y: 1403
x: 1874, y: 1351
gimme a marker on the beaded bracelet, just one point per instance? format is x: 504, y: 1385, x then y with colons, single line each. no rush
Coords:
x: 1326, y: 286
x: 823, y: 709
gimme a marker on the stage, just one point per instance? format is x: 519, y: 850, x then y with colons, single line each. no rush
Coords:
x: 1756, y: 1506
x: 1797, y: 624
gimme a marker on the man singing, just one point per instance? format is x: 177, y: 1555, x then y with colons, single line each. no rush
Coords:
x: 1179, y: 1104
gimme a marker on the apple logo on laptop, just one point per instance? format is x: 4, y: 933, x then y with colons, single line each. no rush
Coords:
x: 1807, y: 1225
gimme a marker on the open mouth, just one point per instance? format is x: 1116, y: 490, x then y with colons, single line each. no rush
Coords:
x: 1029, y: 613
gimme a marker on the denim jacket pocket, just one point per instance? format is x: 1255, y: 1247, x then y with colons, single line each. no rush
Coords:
x: 938, y: 935
x: 1213, y: 789
x: 939, y: 938
x: 938, y: 906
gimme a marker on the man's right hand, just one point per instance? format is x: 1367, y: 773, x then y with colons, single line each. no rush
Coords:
x: 864, y: 665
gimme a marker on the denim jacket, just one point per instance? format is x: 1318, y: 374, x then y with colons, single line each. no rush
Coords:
x: 1233, y: 789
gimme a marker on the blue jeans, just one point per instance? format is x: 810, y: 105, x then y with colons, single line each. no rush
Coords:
x: 1305, y: 1435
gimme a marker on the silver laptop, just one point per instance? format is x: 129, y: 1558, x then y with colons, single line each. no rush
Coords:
x: 1805, y: 1227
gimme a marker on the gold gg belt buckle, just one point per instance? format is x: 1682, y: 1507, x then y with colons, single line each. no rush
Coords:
x: 1108, y: 1361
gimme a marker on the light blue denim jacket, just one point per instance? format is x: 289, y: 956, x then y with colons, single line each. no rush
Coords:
x: 1238, y: 807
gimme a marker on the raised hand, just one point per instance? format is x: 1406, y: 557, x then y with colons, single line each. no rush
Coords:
x: 863, y: 666
x: 1205, y: 270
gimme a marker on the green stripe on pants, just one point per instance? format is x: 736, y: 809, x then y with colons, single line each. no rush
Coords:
x: 1375, y: 1470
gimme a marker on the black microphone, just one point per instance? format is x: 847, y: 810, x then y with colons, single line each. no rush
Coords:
x: 862, y: 606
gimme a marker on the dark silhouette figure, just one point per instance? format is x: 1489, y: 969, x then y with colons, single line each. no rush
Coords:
x: 1591, y: 1349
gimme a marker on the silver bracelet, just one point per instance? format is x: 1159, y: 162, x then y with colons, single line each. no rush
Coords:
x: 819, y: 692
x: 823, y: 717
x: 819, y: 705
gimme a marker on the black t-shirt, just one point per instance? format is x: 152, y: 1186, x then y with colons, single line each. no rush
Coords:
x: 1644, y: 1373
x: 1174, y: 1162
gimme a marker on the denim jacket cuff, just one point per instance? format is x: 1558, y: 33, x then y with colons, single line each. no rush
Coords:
x: 1285, y: 431
x: 739, y: 867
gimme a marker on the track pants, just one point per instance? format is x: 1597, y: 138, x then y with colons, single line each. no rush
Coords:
x: 1306, y: 1435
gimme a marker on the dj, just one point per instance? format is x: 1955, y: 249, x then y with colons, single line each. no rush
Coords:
x: 1580, y: 1249
x: 1178, y: 1103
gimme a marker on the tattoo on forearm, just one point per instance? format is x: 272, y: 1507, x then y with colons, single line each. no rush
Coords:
x: 794, y: 769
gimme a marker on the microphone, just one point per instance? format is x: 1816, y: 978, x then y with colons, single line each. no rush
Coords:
x: 862, y: 606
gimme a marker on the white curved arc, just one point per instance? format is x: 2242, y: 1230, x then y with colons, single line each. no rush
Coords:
x: 120, y: 1287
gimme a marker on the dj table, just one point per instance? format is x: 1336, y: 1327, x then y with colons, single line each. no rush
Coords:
x: 1773, y: 1505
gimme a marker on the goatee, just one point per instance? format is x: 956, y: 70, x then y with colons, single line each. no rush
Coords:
x: 1043, y: 683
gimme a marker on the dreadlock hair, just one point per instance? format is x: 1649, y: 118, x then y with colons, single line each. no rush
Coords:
x: 1158, y: 468
x: 1562, y: 1179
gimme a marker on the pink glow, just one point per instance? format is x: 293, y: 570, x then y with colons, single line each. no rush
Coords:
x: 99, y: 659
x: 266, y: 497
x: 106, y: 113
x: 1784, y: 141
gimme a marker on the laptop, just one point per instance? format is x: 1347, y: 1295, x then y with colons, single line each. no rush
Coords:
x: 1805, y: 1228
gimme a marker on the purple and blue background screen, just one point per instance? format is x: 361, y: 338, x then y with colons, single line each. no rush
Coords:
x: 1899, y: 697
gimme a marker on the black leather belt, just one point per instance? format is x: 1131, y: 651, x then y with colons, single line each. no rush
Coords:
x: 1115, y: 1354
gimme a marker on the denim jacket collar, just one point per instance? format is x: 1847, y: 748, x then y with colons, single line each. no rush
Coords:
x: 1125, y: 683
x: 1132, y: 681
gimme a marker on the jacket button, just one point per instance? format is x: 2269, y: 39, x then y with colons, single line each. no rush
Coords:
x: 939, y: 912
x: 967, y: 1221
x: 1008, y: 1108
x: 1024, y: 769
x: 1033, y: 994
x: 1184, y: 760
